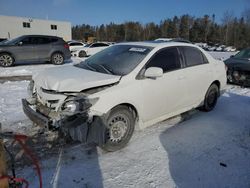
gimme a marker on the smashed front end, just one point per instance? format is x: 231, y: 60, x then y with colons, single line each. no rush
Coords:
x: 238, y: 76
x: 67, y: 112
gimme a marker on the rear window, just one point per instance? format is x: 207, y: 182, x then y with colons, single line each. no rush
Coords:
x: 75, y: 44
x: 193, y: 56
x: 98, y: 45
x: 53, y: 40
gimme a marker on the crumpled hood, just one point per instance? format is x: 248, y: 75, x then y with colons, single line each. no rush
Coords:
x: 72, y: 79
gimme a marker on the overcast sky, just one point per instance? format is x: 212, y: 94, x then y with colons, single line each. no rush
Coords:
x: 96, y: 12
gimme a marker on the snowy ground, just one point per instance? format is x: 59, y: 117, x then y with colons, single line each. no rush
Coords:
x: 222, y: 55
x: 30, y: 69
x: 206, y: 150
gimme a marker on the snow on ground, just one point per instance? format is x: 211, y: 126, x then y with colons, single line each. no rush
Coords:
x: 11, y: 114
x: 32, y: 68
x: 207, y: 150
x: 222, y: 55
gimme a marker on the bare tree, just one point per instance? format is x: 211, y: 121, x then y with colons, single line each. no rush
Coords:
x: 227, y: 20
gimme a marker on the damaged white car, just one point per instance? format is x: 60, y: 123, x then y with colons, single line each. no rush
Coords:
x: 102, y: 99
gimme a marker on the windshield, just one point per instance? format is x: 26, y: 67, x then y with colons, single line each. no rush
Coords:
x: 117, y: 60
x: 13, y: 41
x: 88, y: 45
x: 4, y: 41
x: 244, y: 54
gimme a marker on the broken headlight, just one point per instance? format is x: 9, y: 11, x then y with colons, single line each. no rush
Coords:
x: 236, y: 75
x: 77, y: 105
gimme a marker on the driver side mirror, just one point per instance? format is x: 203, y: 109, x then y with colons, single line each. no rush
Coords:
x: 153, y: 72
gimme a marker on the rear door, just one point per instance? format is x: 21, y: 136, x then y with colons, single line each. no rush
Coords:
x: 42, y: 48
x: 198, y: 73
x: 167, y: 94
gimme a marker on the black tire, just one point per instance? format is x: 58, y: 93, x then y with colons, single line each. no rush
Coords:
x: 6, y: 60
x: 120, y: 127
x: 211, y: 97
x: 57, y: 58
x: 82, y: 54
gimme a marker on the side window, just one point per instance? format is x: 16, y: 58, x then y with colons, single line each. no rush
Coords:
x: 102, y: 45
x: 193, y: 56
x: 75, y: 44
x: 42, y: 40
x: 98, y: 45
x: 28, y: 40
x: 167, y: 59
x: 53, y: 40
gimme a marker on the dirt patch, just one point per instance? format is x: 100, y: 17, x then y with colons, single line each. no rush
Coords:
x: 14, y: 78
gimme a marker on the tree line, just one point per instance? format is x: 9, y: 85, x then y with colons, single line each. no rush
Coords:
x: 232, y: 31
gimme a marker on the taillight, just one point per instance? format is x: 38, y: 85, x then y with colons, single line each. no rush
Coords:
x: 66, y: 46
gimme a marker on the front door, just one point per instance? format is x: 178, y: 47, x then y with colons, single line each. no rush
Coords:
x: 167, y: 94
x: 24, y: 50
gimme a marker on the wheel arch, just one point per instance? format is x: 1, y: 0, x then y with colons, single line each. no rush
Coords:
x: 131, y: 107
x: 216, y: 82
x: 7, y: 52
x: 57, y: 51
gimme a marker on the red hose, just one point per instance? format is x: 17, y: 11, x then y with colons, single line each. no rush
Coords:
x: 20, y: 139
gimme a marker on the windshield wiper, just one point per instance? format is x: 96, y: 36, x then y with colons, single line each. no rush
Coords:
x: 103, y: 69
x: 106, y: 69
x: 92, y: 68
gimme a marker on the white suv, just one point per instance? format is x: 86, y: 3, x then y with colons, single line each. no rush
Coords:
x: 102, y: 99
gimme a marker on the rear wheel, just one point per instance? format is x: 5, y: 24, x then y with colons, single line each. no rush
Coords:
x: 120, y: 127
x: 210, y: 98
x: 6, y: 60
x: 57, y: 58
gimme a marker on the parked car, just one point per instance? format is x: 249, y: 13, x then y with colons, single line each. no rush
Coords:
x: 90, y: 49
x: 238, y: 68
x: 220, y: 48
x: 2, y: 40
x: 34, y: 48
x: 75, y: 44
x: 172, y: 40
x: 230, y: 49
x: 103, y: 98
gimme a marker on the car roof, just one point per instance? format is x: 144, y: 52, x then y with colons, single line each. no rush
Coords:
x: 154, y: 44
x: 41, y: 36
x: 72, y: 41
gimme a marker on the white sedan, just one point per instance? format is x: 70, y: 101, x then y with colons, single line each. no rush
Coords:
x: 75, y: 44
x: 102, y: 99
x: 90, y: 49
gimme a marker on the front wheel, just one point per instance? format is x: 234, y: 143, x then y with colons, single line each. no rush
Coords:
x: 6, y: 60
x: 57, y: 58
x: 120, y: 127
x: 210, y: 98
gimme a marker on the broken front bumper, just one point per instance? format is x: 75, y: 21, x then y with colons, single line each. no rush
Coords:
x: 34, y: 116
x: 76, y: 126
